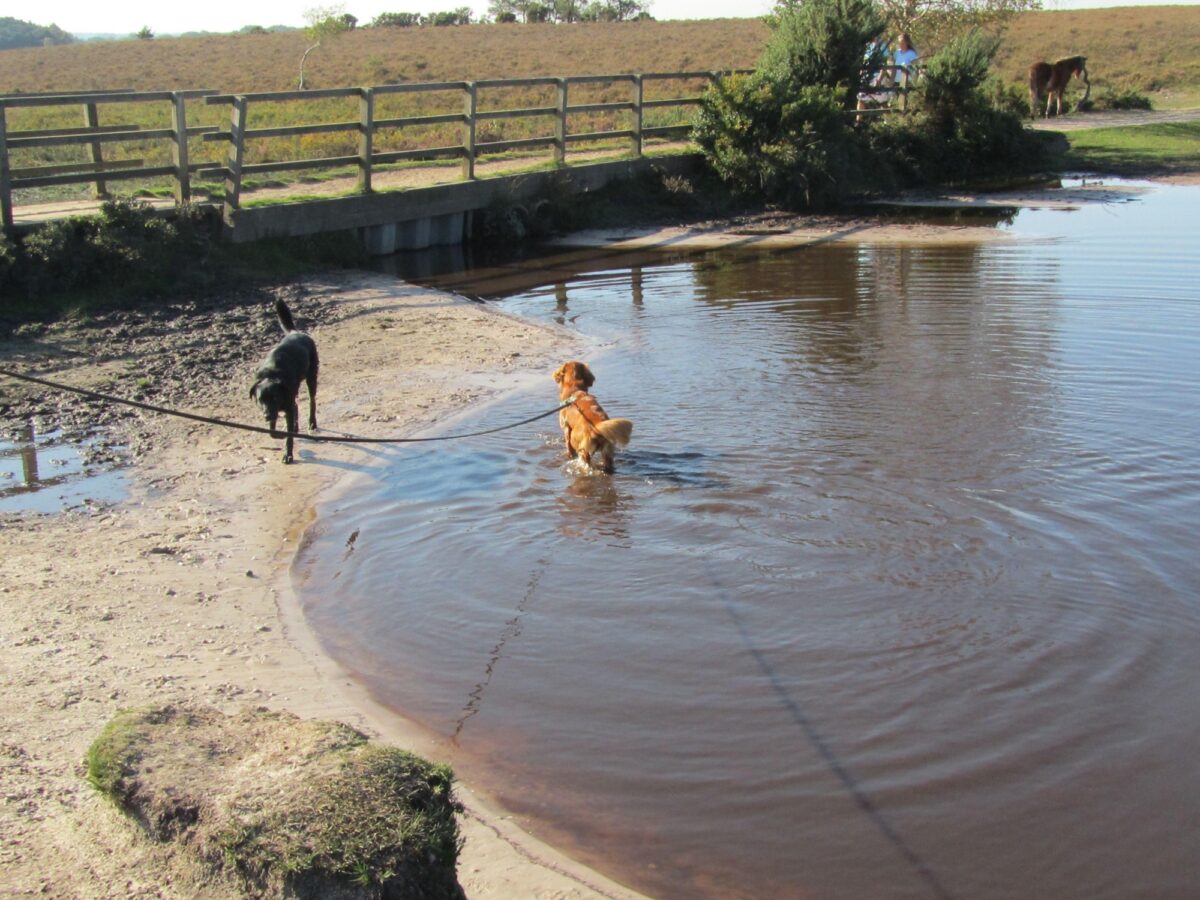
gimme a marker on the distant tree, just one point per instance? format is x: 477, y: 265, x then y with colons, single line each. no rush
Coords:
x: 324, y: 24
x: 935, y: 22
x: 252, y: 29
x: 145, y: 34
x: 568, y: 10
x: 15, y: 33
x: 396, y: 20
x: 502, y: 11
x: 615, y: 10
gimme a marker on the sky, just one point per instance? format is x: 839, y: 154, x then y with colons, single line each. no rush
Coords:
x: 127, y: 17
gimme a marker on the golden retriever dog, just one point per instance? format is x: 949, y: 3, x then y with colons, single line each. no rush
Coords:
x: 587, y: 429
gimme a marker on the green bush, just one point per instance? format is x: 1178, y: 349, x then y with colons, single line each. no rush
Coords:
x: 1130, y: 99
x: 782, y: 133
x: 964, y: 125
x: 792, y: 147
x: 952, y: 80
x: 1004, y: 95
x: 820, y: 42
x: 8, y: 260
x: 128, y: 244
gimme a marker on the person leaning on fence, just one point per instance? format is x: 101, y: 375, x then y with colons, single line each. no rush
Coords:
x: 881, y: 77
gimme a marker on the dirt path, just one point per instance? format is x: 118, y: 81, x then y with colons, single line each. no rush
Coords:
x: 1115, y: 119
x: 384, y: 180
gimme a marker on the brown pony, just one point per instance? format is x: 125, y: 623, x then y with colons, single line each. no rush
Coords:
x: 1050, y: 81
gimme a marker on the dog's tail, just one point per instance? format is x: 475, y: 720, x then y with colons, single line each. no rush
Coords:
x: 285, y: 316
x: 615, y: 430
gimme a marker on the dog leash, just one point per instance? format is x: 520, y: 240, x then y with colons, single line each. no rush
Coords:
x: 224, y: 423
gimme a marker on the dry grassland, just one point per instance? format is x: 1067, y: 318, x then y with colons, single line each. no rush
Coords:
x: 1151, y: 50
x: 270, y: 62
x: 1140, y: 48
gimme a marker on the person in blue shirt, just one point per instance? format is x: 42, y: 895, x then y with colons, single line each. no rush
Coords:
x: 905, y: 55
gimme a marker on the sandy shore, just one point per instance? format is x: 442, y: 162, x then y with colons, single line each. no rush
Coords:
x: 181, y: 593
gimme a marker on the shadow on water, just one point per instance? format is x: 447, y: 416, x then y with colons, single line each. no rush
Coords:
x: 684, y: 469
x: 43, y: 473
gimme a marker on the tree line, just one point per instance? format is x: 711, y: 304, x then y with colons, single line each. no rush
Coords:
x: 528, y: 11
x: 15, y: 33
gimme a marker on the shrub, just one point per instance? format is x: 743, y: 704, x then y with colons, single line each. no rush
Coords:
x: 781, y: 132
x: 964, y: 125
x: 765, y: 139
x: 951, y: 80
x: 1004, y: 95
x: 1130, y: 99
x: 820, y: 42
x: 8, y: 260
x: 127, y: 245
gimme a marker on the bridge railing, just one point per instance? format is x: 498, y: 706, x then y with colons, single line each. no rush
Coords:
x: 556, y: 133
x: 91, y: 135
x: 477, y: 117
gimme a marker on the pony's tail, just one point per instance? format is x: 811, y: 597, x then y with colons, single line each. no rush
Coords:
x: 285, y: 316
x: 616, y: 431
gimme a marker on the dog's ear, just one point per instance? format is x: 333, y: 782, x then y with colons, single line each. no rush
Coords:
x: 586, y: 376
x: 558, y: 373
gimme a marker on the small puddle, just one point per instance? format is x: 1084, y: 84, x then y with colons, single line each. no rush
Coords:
x: 44, y: 473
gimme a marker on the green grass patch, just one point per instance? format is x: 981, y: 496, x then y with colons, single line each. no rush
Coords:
x: 110, y: 756
x: 283, y: 806
x: 1177, y: 98
x: 1141, y: 149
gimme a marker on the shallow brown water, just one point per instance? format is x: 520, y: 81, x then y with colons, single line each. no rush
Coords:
x: 893, y: 595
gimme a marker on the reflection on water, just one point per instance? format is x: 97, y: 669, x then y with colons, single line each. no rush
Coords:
x: 42, y: 473
x: 893, y: 593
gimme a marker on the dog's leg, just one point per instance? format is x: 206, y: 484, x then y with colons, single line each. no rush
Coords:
x: 312, y: 401
x: 311, y: 380
x: 291, y: 414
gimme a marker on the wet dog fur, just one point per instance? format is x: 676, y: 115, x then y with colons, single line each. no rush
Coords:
x: 587, y: 430
x: 277, y: 382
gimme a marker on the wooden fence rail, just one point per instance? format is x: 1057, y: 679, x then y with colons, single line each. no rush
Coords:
x: 98, y: 172
x: 367, y: 127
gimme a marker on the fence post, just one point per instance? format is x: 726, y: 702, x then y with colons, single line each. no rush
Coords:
x: 560, y: 124
x: 233, y: 168
x: 366, y: 138
x: 91, y: 119
x: 6, y: 206
x: 470, y: 106
x: 638, y: 96
x: 183, y: 183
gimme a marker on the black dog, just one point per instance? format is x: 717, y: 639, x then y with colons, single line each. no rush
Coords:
x: 277, y: 382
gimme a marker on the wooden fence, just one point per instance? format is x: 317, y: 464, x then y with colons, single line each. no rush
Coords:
x: 92, y: 135
x: 368, y: 127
